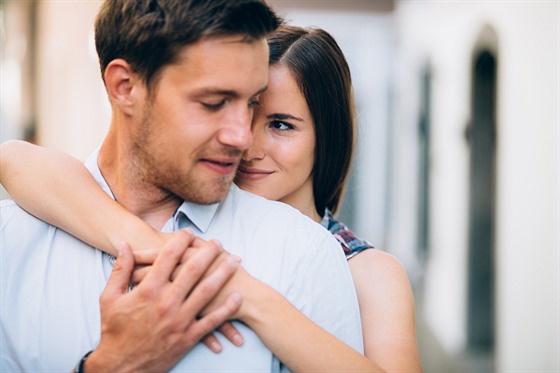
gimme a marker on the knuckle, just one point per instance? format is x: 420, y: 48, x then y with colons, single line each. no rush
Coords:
x: 190, y: 338
x: 217, y: 244
x: 194, y: 267
x: 214, y: 248
x: 103, y: 299
x: 176, y: 247
x: 164, y: 306
x: 184, y: 234
x: 146, y: 291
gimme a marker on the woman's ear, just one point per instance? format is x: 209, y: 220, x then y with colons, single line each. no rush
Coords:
x: 124, y: 86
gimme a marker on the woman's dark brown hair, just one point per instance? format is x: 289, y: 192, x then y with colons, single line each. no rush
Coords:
x: 318, y: 65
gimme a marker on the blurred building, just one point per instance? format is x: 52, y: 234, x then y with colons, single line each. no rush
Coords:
x: 457, y: 165
x: 476, y: 175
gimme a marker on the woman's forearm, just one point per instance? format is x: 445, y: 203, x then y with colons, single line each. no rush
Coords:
x: 297, y: 341
x: 58, y: 189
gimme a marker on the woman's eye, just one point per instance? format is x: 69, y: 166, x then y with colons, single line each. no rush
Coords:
x: 281, y: 126
x: 212, y: 106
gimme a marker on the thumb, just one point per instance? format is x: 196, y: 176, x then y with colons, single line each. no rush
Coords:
x: 122, y: 271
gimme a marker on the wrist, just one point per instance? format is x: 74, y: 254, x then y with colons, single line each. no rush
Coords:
x: 94, y: 363
x: 259, y: 304
x: 99, y: 362
x: 137, y: 234
x: 80, y: 367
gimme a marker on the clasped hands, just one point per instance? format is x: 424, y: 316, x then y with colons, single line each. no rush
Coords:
x: 183, y: 293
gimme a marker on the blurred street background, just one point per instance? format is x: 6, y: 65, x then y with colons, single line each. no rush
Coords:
x: 457, y: 164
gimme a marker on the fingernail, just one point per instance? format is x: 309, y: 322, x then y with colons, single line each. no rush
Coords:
x: 233, y: 261
x: 215, y: 346
x: 237, y: 340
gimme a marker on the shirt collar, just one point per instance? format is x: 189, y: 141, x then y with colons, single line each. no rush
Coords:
x: 93, y: 168
x: 199, y: 215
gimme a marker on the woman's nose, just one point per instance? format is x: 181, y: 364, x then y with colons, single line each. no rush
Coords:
x: 257, y: 148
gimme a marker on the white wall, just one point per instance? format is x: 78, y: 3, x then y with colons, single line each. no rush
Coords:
x: 527, y: 284
x: 73, y: 111
x: 528, y: 224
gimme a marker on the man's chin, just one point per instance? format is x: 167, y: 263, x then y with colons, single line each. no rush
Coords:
x: 208, y: 198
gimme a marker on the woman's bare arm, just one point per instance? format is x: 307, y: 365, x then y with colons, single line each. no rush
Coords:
x: 387, y: 311
x: 296, y: 340
x: 58, y: 189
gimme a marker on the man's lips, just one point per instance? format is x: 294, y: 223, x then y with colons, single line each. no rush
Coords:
x: 222, y: 166
x: 252, y: 174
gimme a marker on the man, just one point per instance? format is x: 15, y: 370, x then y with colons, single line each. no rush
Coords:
x: 182, y: 77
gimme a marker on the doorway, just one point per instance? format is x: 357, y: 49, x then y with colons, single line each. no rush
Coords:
x: 482, y: 141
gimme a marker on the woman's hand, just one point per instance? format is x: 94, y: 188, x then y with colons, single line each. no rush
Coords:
x: 229, y: 331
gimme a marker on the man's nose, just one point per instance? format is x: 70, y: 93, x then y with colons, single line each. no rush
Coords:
x: 236, y: 132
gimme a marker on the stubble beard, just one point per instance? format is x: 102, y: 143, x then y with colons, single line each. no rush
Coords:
x: 158, y: 171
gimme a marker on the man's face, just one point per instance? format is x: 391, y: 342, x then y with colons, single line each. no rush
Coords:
x: 197, y: 122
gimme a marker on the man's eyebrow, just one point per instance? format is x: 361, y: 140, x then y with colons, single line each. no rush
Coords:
x: 283, y: 116
x: 216, y: 92
x: 223, y: 92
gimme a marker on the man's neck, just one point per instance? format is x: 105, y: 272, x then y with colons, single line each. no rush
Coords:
x: 149, y: 203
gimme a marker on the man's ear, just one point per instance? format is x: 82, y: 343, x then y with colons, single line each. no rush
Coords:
x: 124, y: 86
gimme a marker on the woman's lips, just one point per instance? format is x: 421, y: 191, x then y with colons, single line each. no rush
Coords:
x: 252, y: 174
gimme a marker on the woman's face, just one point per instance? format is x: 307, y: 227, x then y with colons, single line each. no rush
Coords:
x: 279, y: 162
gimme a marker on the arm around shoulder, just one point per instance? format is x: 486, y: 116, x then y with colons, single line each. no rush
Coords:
x: 297, y: 341
x: 387, y: 311
x: 69, y: 197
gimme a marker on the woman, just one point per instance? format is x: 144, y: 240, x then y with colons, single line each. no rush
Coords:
x: 301, y: 154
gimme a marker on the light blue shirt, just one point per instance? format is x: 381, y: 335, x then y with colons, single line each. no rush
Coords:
x: 51, y: 282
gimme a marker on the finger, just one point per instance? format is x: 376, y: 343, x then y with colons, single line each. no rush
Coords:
x: 199, y: 244
x: 170, y: 255
x: 139, y: 273
x: 206, y: 324
x: 121, y: 274
x: 192, y: 252
x: 189, y: 273
x: 146, y: 257
x: 231, y: 333
x: 212, y: 343
x: 209, y: 286
x: 176, y: 271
